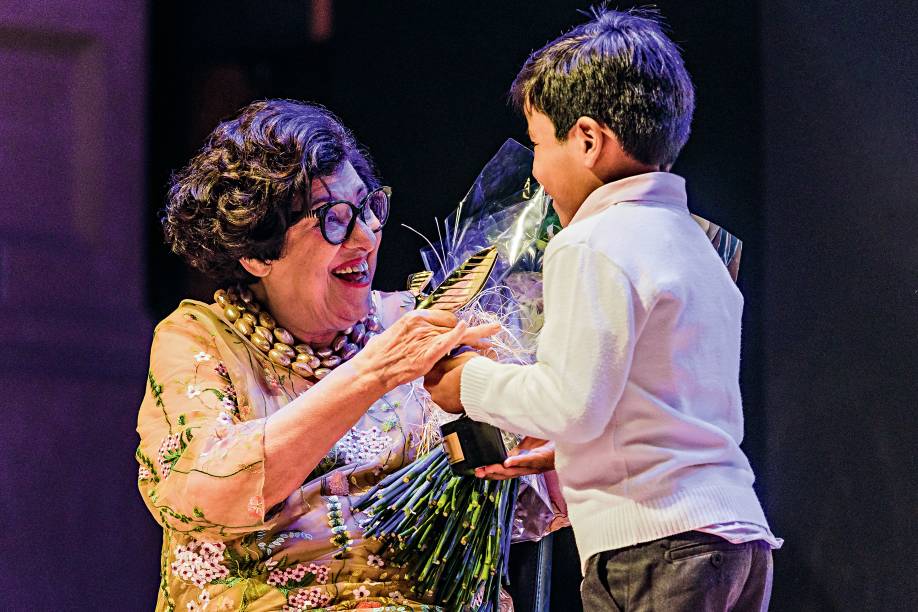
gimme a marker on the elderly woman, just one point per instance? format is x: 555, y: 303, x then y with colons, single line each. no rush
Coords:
x: 296, y: 388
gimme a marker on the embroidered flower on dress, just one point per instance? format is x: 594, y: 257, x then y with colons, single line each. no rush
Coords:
x: 390, y: 423
x: 320, y: 572
x: 257, y: 506
x: 221, y: 370
x: 202, y: 356
x: 375, y: 561
x: 362, y: 445
x: 193, y: 391
x: 361, y: 592
x: 306, y: 599
x: 200, y: 563
x: 168, y: 453
x: 342, y: 537
x: 143, y: 473
x: 225, y: 604
x: 229, y: 393
x: 397, y: 596
x: 290, y: 576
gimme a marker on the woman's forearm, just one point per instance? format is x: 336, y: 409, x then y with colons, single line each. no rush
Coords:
x: 299, y: 435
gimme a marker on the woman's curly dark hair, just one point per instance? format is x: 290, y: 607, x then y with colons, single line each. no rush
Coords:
x: 233, y: 198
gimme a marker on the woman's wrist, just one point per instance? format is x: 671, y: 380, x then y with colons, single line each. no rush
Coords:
x: 363, y: 374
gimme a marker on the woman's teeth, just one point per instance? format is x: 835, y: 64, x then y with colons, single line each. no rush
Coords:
x: 359, y: 268
x: 359, y: 273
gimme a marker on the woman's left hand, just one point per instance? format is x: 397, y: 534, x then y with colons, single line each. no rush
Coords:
x: 531, y: 456
x: 414, y: 343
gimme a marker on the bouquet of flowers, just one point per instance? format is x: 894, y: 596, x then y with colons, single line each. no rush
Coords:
x: 451, y: 532
x: 508, y: 210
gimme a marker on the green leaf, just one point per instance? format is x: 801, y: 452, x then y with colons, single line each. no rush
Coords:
x: 254, y: 589
x: 308, y: 579
x: 181, y: 419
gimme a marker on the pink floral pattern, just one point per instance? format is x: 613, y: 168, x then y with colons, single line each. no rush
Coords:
x: 307, y: 599
x: 361, y: 592
x: 320, y: 572
x: 168, y: 453
x: 289, y: 575
x: 200, y: 563
x: 256, y: 505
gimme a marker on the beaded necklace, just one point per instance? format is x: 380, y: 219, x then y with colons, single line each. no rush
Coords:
x: 254, y: 323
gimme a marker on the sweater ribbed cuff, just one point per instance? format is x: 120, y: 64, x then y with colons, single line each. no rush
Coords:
x: 473, y: 386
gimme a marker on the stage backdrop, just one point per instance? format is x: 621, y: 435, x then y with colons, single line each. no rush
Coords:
x: 840, y: 317
x: 74, y: 333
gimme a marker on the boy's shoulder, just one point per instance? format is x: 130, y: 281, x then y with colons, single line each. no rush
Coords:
x: 654, y: 246
x: 619, y: 227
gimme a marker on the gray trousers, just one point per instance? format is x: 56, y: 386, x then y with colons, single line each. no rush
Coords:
x: 691, y: 572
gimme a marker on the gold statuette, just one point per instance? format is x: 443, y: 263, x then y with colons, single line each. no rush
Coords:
x: 461, y: 286
x: 418, y: 281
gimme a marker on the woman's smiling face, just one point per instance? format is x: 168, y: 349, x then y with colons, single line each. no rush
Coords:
x: 316, y: 289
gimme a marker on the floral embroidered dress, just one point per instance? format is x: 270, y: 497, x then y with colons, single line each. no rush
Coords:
x: 208, y: 394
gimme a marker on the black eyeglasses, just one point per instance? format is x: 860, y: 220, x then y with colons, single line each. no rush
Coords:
x: 338, y: 218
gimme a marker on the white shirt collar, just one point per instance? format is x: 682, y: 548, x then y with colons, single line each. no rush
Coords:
x: 656, y: 187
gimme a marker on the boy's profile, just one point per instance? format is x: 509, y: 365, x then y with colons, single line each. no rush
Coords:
x: 636, y: 382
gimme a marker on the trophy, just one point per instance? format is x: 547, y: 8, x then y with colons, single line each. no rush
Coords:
x: 468, y: 444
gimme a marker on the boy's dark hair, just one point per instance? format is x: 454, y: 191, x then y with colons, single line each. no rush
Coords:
x: 621, y: 70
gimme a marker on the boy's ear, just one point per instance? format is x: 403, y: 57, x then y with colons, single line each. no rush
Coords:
x: 255, y: 267
x: 591, y: 139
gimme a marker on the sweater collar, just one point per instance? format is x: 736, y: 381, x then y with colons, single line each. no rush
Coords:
x: 652, y: 187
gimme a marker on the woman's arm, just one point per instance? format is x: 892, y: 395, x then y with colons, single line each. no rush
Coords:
x: 300, y: 434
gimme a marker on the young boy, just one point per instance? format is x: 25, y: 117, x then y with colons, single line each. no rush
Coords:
x: 636, y: 379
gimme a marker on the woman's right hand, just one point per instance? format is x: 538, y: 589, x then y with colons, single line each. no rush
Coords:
x: 415, y: 342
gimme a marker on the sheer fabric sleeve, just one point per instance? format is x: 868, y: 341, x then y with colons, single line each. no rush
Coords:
x: 201, y: 456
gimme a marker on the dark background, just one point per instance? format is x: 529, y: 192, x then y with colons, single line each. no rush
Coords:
x: 804, y: 145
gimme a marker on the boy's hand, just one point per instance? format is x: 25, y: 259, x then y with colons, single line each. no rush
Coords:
x: 443, y: 382
x: 532, y: 456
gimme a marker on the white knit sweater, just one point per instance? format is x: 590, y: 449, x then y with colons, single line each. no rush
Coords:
x: 637, y: 372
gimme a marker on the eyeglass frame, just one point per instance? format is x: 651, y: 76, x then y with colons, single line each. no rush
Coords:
x: 356, y: 211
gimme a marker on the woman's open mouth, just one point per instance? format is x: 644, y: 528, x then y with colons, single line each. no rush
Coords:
x: 355, y: 272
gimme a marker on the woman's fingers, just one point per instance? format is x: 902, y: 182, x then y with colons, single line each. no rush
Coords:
x: 446, y: 341
x: 439, y: 318
x: 476, y: 333
x: 473, y: 336
x: 412, y: 346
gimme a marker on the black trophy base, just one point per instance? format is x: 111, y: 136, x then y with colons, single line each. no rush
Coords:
x: 469, y: 444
